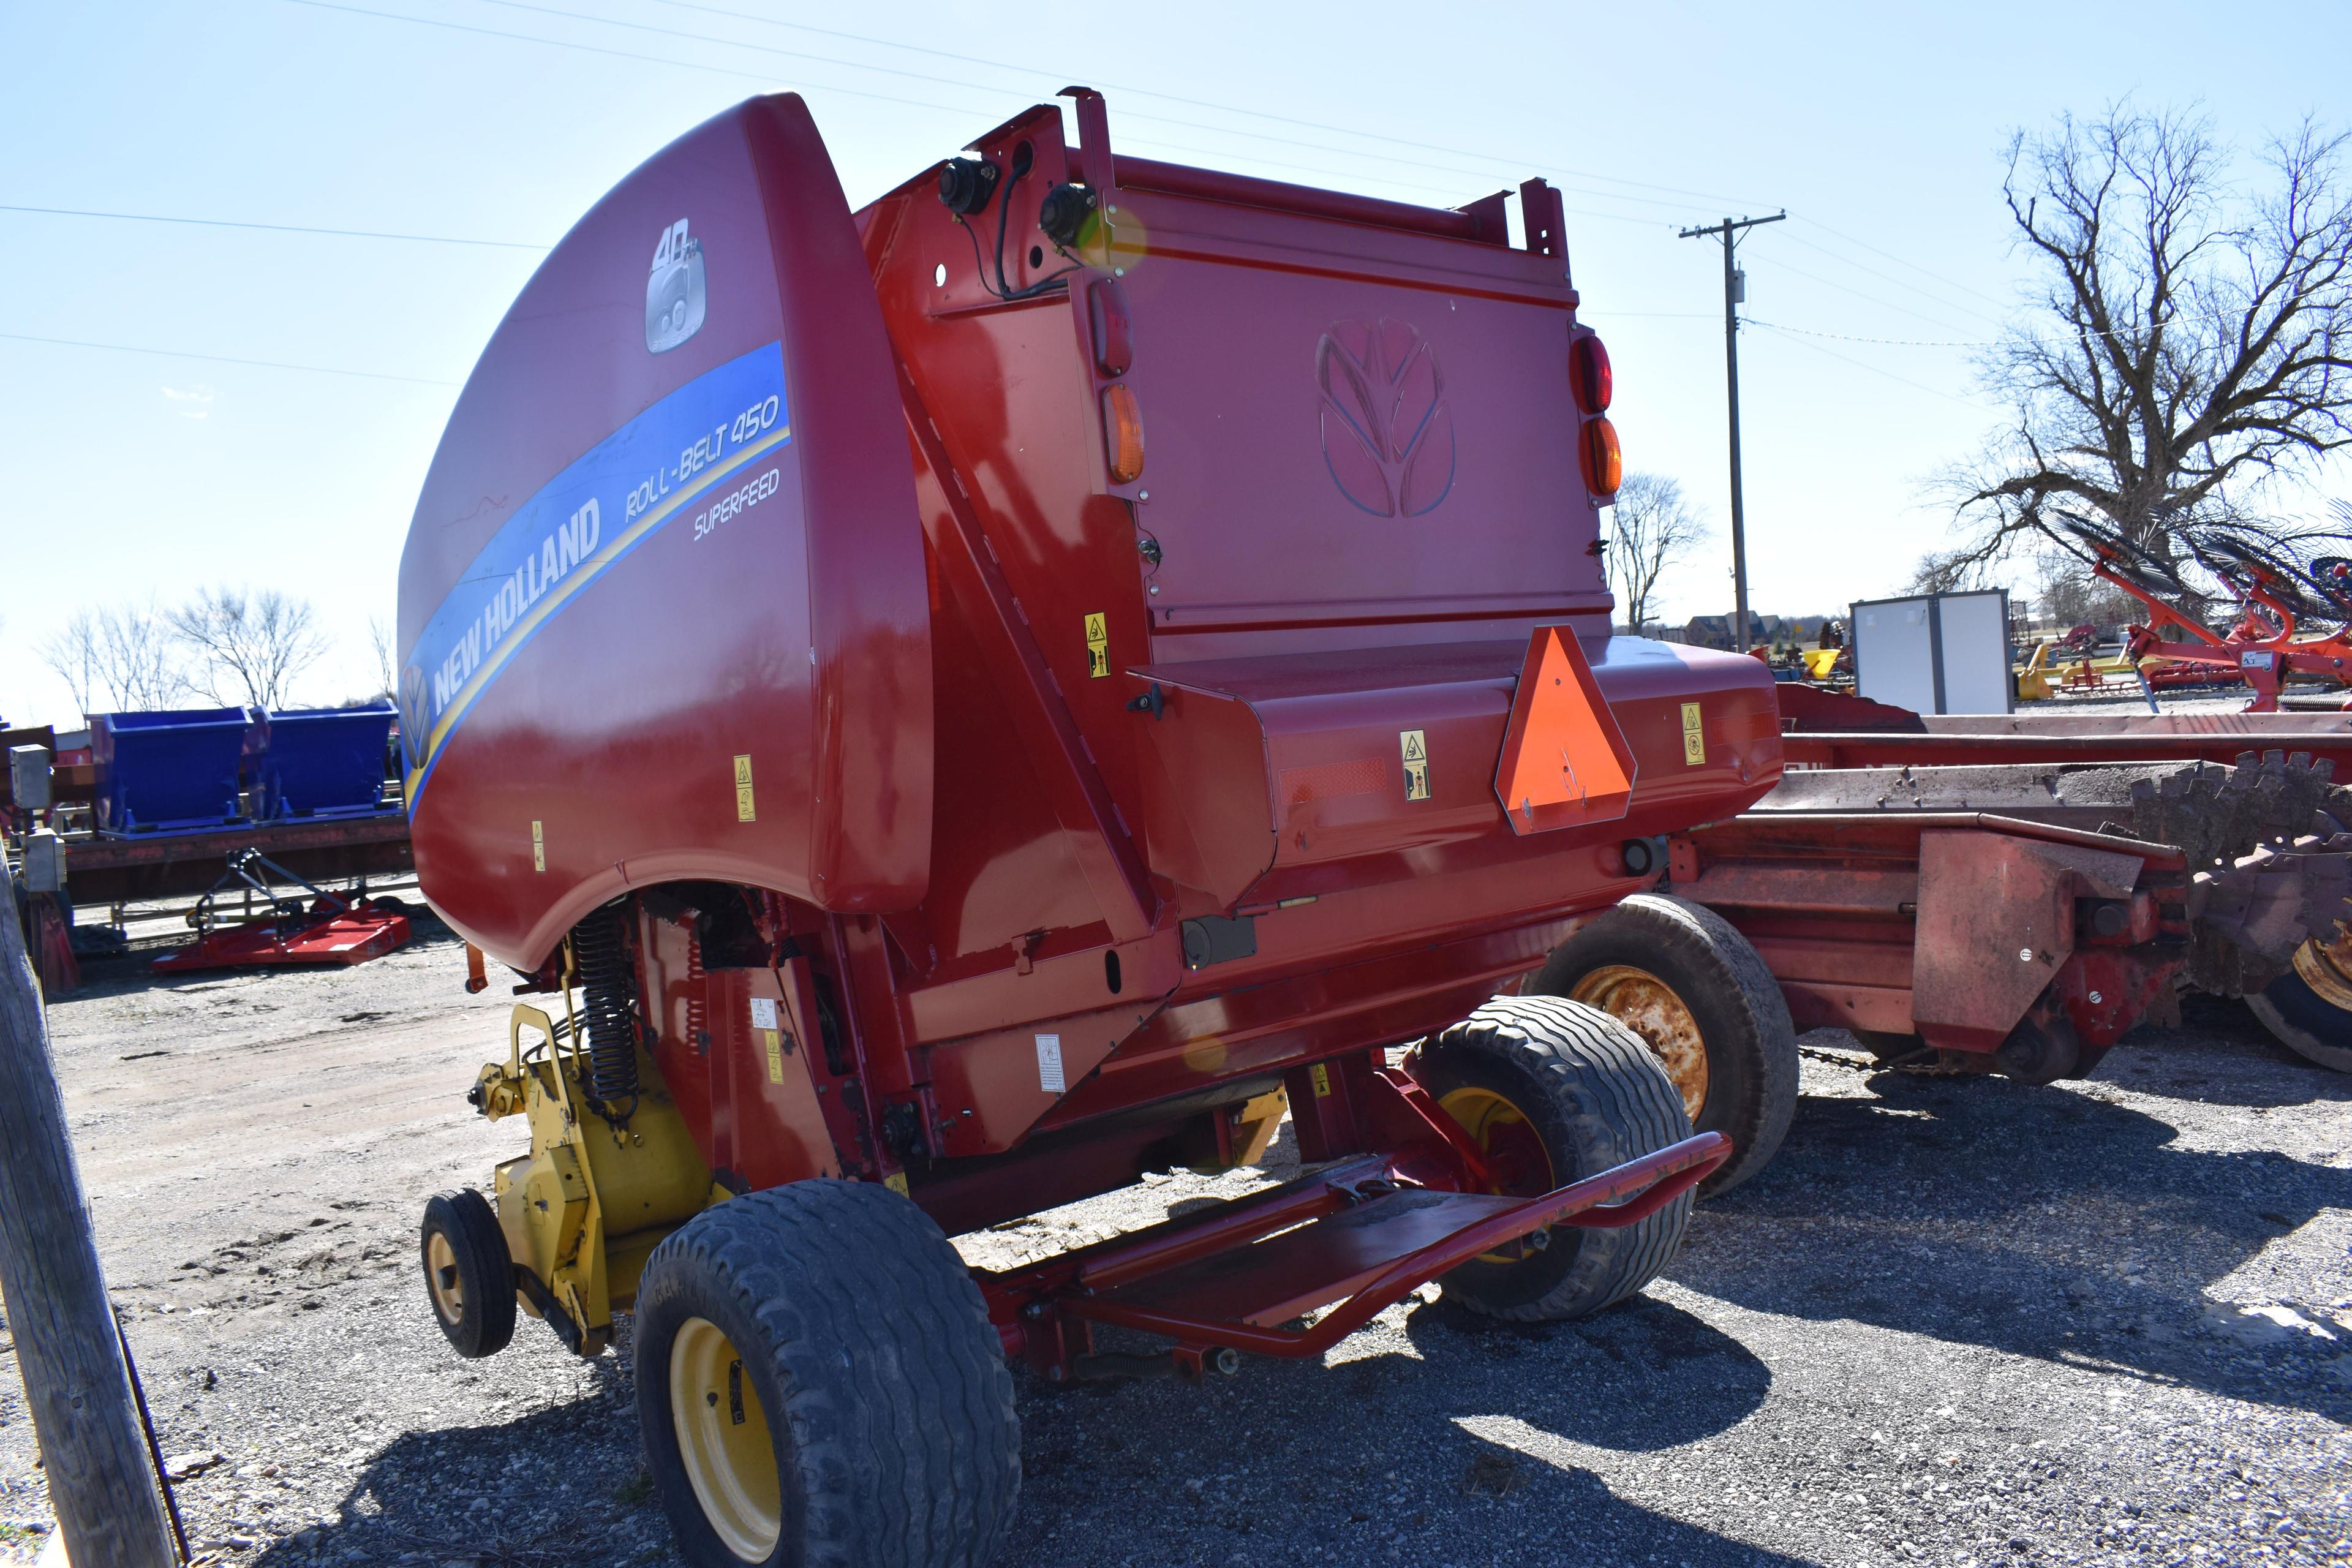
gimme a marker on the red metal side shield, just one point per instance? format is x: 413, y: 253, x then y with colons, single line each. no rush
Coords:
x: 1565, y: 763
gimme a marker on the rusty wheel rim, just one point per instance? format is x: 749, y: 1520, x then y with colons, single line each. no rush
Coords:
x: 441, y: 1279
x: 2326, y: 967
x: 1651, y: 1008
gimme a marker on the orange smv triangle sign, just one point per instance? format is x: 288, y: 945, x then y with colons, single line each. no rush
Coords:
x: 1564, y: 760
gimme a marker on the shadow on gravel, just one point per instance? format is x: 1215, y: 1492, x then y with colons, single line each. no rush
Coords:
x: 560, y: 1488
x: 1398, y: 1458
x: 2041, y: 1222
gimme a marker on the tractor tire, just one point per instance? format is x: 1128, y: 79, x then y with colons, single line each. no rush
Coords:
x: 1678, y: 976
x: 1555, y: 1091
x: 819, y: 1386
x: 2306, y: 1019
x: 468, y: 1275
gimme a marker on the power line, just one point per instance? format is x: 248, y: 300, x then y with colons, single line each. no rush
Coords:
x: 1899, y: 261
x: 1899, y: 283
x: 224, y: 359
x: 764, y: 79
x: 1858, y: 364
x: 1888, y: 304
x: 1707, y: 197
x: 530, y: 5
x: 1882, y: 342
x: 275, y: 227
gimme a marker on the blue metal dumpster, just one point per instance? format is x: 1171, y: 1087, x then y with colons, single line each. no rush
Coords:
x: 174, y: 770
x: 327, y: 761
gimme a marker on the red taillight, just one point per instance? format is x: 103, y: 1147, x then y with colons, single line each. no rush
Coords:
x: 1604, y: 462
x: 1588, y: 375
x: 1106, y: 310
x: 1122, y: 432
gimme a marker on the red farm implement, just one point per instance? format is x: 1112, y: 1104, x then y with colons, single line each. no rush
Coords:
x: 974, y: 700
x: 1979, y: 888
x: 2290, y: 620
x: 326, y: 929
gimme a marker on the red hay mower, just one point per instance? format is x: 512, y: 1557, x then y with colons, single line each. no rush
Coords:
x: 956, y: 705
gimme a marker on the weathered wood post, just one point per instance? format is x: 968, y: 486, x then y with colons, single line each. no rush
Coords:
x: 101, y: 1482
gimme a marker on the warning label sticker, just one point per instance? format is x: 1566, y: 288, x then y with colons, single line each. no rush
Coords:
x: 1694, y: 736
x: 1097, y: 645
x: 744, y: 809
x: 1416, y: 764
x: 1049, y: 1064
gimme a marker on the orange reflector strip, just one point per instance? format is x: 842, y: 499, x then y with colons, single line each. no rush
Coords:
x: 1565, y: 763
x: 1604, y: 461
x: 1122, y: 432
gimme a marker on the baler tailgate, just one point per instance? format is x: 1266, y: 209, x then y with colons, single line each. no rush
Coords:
x: 1393, y: 1239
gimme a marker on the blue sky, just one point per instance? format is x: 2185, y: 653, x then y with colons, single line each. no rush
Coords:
x: 1879, y: 128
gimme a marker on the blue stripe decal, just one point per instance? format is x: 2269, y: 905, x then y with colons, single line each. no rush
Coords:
x: 580, y: 525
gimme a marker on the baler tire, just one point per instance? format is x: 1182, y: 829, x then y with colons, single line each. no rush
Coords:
x: 1595, y: 1096
x: 470, y: 1275
x: 2304, y: 1022
x: 1749, y: 1042
x: 847, y: 1311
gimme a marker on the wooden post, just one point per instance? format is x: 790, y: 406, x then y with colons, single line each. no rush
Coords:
x: 101, y: 1482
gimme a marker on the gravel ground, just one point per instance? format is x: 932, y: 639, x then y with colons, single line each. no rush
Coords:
x: 1959, y: 1321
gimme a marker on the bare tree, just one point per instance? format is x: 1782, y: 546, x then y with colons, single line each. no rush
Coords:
x: 119, y: 659
x: 380, y: 642
x: 2193, y: 340
x: 249, y: 647
x: 1653, y: 528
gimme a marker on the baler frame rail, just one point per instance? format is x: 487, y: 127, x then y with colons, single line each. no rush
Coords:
x: 1087, y: 1284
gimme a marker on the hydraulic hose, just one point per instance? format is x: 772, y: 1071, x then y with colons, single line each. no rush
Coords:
x: 609, y: 1014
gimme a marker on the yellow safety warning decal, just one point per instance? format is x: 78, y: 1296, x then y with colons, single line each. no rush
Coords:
x: 774, y: 1040
x: 1416, y: 764
x: 1694, y: 736
x: 745, y: 811
x: 538, y: 846
x: 897, y: 1181
x: 1322, y: 1077
x: 1097, y: 645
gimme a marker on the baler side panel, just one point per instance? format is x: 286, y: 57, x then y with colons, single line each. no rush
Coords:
x: 753, y: 590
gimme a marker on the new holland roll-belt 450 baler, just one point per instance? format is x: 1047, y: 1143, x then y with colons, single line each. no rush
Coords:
x: 959, y: 704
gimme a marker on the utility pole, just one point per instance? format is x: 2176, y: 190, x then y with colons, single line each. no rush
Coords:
x: 78, y: 1386
x: 1728, y: 230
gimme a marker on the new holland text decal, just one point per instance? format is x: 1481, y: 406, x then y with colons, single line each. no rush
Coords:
x: 580, y: 525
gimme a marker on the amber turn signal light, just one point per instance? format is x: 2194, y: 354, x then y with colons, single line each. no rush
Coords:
x: 1588, y: 375
x: 1604, y: 461
x: 1123, y: 434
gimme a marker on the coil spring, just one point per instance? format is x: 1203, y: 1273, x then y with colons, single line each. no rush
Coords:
x: 609, y: 1011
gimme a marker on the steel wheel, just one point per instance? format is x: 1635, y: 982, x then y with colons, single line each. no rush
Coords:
x: 442, y: 1281
x: 468, y: 1275
x: 2309, y: 1008
x: 1515, y: 1150
x: 1649, y: 1006
x: 723, y: 1441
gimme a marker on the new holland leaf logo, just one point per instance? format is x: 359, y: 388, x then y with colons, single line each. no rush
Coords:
x: 1387, y: 436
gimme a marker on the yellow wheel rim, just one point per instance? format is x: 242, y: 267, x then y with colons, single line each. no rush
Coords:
x: 723, y: 1442
x: 1516, y: 1158
x: 441, y: 1279
x: 1649, y: 1006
